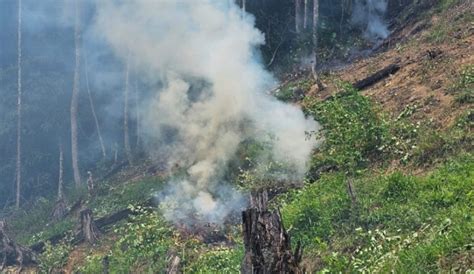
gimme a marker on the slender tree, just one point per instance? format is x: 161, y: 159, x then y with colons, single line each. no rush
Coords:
x: 94, y: 115
x: 126, y: 137
x: 137, y: 114
x: 306, y: 13
x: 75, y: 98
x: 298, y: 19
x: 315, y: 41
x: 18, y: 108
x: 60, y: 208
x: 61, y: 172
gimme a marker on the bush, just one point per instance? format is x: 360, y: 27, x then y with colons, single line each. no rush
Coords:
x: 219, y: 260
x: 54, y: 257
x: 399, y: 187
x: 143, y: 243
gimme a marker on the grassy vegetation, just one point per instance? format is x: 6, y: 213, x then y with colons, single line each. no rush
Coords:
x: 400, y: 223
x: 397, y: 222
x: 142, y: 244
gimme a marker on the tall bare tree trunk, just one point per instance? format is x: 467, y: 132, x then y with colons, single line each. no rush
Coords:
x: 137, y: 114
x: 60, y: 208
x: 298, y: 19
x: 18, y: 108
x: 126, y: 136
x: 61, y: 171
x: 244, y: 7
x: 306, y: 13
x: 315, y: 41
x: 91, y: 102
x: 75, y: 99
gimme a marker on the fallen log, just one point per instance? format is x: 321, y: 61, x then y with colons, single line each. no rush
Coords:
x: 267, y: 244
x: 376, y: 77
x: 101, y: 224
x: 12, y: 254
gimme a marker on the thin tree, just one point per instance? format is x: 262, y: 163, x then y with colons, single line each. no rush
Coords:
x: 18, y: 109
x: 137, y: 114
x: 306, y: 13
x: 61, y: 173
x: 91, y: 102
x: 244, y: 7
x: 298, y: 19
x: 75, y: 99
x: 126, y: 133
x: 60, y: 208
x: 315, y: 43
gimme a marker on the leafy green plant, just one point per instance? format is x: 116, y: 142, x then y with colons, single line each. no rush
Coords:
x: 218, y: 260
x: 54, y: 257
x: 143, y: 242
x: 352, y: 131
x: 464, y: 86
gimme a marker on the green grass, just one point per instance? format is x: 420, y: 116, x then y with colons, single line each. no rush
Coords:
x: 424, y: 221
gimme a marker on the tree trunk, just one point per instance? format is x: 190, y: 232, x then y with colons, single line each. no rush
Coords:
x: 18, y: 126
x: 306, y: 13
x: 61, y: 172
x: 126, y: 133
x: 244, y: 8
x: 173, y: 265
x: 91, y: 102
x: 88, y: 230
x: 60, y: 208
x: 12, y: 254
x: 137, y: 116
x: 267, y: 244
x: 298, y: 19
x: 314, y: 66
x: 75, y: 100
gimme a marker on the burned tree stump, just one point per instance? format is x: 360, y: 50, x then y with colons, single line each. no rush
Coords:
x: 267, y: 244
x: 88, y: 229
x: 60, y: 210
x: 12, y: 254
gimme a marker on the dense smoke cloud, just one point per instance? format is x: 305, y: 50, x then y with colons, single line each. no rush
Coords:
x: 211, y: 97
x: 369, y: 14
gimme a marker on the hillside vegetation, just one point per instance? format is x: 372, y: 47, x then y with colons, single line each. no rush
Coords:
x: 390, y: 188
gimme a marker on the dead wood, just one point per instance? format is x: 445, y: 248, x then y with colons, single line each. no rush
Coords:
x: 173, y: 266
x: 59, y: 210
x: 88, y: 229
x: 377, y: 77
x: 267, y: 244
x: 12, y: 254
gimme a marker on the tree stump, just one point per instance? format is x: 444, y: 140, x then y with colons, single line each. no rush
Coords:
x: 59, y: 210
x: 12, y: 254
x: 173, y: 265
x: 267, y: 244
x: 88, y: 228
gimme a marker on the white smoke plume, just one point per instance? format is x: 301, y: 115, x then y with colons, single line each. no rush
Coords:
x: 211, y: 98
x: 369, y: 14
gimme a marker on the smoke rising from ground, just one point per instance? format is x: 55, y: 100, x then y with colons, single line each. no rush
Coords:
x: 211, y: 98
x: 369, y: 14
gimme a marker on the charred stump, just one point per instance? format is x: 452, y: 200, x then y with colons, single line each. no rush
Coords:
x: 12, y: 254
x: 88, y: 228
x: 267, y: 244
x: 60, y: 210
